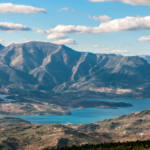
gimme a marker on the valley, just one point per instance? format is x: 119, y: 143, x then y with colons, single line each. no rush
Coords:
x: 14, y: 107
x: 90, y: 115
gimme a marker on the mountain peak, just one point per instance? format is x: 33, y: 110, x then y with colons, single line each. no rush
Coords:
x: 33, y: 43
x: 47, y: 47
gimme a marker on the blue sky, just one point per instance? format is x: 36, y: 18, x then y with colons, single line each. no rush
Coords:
x: 128, y: 41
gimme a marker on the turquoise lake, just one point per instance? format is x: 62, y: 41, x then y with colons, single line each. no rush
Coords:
x: 89, y: 115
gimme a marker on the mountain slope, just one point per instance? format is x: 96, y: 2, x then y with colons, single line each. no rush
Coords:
x: 47, y: 66
x: 45, y: 72
x: 1, y: 47
x: 147, y: 58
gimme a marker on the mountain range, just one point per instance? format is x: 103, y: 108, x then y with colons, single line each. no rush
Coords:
x: 46, y: 72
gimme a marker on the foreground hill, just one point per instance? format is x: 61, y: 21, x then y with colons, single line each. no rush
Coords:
x: 48, y: 78
x: 139, y: 145
x: 24, y: 135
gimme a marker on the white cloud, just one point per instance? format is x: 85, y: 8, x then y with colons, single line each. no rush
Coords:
x: 114, y: 51
x: 132, y: 2
x: 116, y: 25
x: 64, y: 9
x: 144, y: 38
x: 96, y: 46
x: 103, y: 18
x: 65, y: 41
x: 12, y: 8
x: 69, y: 29
x: 40, y: 31
x: 57, y: 36
x: 124, y: 24
x: 102, y: 49
x: 1, y: 41
x: 6, y: 26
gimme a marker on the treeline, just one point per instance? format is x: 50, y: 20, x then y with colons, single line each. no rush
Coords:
x: 145, y: 145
